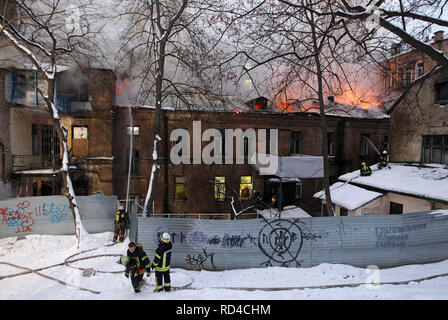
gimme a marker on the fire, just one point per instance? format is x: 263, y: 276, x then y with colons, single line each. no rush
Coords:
x: 285, y: 106
x: 354, y: 98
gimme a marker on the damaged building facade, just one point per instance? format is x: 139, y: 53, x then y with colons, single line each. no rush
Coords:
x: 32, y: 153
x: 99, y: 144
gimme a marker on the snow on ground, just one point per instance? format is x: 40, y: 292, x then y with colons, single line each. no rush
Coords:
x: 44, y: 250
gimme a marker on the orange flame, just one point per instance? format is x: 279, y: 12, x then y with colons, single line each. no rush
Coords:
x: 354, y: 98
x: 285, y: 107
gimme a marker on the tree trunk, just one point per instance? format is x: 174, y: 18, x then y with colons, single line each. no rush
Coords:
x: 323, y: 120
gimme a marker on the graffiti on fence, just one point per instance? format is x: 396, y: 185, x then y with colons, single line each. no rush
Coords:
x: 23, y: 216
x: 197, y: 261
x: 281, y: 241
x: 199, y: 238
x: 395, y: 237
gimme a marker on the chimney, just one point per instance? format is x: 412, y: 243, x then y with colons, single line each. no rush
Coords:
x: 438, y: 36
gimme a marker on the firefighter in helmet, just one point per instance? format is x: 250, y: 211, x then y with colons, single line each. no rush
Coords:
x: 161, y: 263
x: 136, y: 262
x: 384, y: 160
x: 365, y: 170
x: 121, y: 222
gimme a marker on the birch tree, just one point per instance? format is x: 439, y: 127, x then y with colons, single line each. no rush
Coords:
x: 44, y: 33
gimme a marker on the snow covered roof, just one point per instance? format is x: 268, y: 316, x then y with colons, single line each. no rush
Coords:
x: 287, y: 212
x: 38, y: 171
x: 348, y: 196
x: 429, y: 181
x: 342, y: 110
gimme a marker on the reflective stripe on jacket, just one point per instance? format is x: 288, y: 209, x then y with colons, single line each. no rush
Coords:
x: 162, y: 258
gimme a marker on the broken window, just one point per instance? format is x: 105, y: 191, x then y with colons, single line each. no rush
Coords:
x: 21, y: 87
x: 407, y: 76
x: 298, y: 193
x: 419, y: 70
x: 386, y: 140
x: 330, y: 143
x: 179, y: 189
x: 49, y: 141
x: 364, y: 145
x: 35, y: 138
x: 246, y: 187
x: 393, y: 79
x: 442, y: 92
x: 296, y: 142
x: 135, y: 161
x: 220, y: 188
x: 395, y: 208
x: 435, y: 149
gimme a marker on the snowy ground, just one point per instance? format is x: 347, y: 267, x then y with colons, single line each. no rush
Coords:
x: 39, y: 251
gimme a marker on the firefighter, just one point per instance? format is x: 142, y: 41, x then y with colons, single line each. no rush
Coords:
x: 365, y: 170
x: 136, y: 265
x: 161, y: 263
x: 121, y: 222
x: 384, y: 160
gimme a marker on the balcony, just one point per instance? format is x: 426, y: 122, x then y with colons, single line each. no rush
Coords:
x: 34, y: 162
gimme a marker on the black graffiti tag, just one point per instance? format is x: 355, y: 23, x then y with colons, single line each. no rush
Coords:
x: 281, y: 241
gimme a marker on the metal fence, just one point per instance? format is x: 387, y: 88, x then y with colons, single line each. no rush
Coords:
x: 381, y: 240
x: 52, y: 215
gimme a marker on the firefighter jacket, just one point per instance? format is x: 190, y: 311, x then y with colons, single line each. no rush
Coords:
x: 138, y: 261
x: 162, y: 258
x: 366, y: 171
x: 121, y: 217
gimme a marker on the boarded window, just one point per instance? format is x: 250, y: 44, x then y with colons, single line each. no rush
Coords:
x: 80, y: 142
x: 220, y: 188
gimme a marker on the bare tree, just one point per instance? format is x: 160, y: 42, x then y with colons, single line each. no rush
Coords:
x: 45, y: 34
x: 170, y: 49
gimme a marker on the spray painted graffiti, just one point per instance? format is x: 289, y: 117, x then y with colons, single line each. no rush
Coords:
x: 197, y: 262
x: 24, y: 216
x: 199, y: 238
x: 395, y: 237
x: 281, y: 241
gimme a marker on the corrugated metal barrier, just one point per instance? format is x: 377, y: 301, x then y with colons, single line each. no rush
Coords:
x: 52, y: 215
x: 381, y: 240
